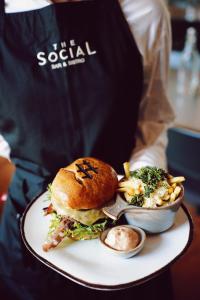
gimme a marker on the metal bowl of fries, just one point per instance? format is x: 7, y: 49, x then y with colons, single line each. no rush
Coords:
x: 151, y: 206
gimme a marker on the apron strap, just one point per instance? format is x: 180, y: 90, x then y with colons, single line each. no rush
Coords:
x: 2, y: 13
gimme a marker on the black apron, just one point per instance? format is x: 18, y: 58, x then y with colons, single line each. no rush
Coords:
x: 71, y: 81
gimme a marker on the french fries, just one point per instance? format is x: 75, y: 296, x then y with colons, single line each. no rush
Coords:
x: 130, y: 191
x: 166, y: 197
x: 128, y: 197
x: 159, y: 202
x: 177, y: 191
x: 126, y: 166
x: 172, y: 197
x: 177, y: 179
x: 126, y: 184
x: 132, y: 188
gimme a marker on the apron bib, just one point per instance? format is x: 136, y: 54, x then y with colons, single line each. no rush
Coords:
x: 71, y: 82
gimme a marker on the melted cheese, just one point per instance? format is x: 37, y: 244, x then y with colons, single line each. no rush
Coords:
x: 86, y: 217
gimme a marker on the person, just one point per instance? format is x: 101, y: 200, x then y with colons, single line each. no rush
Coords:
x: 78, y: 78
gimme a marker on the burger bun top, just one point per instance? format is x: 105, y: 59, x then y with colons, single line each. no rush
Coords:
x: 87, y: 183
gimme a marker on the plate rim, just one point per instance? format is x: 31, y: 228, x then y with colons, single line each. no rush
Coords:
x: 97, y: 286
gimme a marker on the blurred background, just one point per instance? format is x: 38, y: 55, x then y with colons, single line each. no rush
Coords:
x: 183, y: 151
x: 184, y: 138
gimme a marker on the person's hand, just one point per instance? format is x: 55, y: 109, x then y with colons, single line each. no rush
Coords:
x: 6, y: 172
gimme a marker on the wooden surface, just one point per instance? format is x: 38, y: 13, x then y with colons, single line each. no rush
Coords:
x: 186, y: 271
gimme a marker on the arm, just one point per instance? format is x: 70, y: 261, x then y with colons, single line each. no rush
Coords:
x: 4, y: 148
x: 153, y: 37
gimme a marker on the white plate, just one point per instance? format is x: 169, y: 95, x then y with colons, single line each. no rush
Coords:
x: 89, y: 264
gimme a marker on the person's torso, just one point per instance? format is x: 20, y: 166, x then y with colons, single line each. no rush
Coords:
x: 71, y: 82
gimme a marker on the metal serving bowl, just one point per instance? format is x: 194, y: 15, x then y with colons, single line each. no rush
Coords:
x: 152, y: 220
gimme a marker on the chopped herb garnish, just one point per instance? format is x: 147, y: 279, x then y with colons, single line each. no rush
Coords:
x: 150, y: 176
x: 165, y: 184
x: 137, y: 200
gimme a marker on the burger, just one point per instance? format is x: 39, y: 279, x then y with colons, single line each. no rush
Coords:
x: 77, y: 195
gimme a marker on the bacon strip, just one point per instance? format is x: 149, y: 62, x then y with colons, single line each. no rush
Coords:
x: 59, y: 234
x: 48, y: 210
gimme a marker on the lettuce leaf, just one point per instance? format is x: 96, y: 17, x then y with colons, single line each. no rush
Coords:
x: 78, y: 231
x: 82, y: 232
